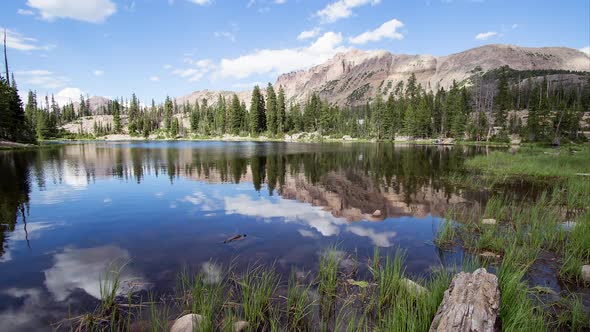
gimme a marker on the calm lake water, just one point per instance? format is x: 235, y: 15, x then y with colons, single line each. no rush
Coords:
x: 68, y: 211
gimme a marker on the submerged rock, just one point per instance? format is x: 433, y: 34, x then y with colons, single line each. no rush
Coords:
x: 240, y: 326
x: 472, y: 303
x: 489, y: 254
x: 186, y: 323
x: 585, y: 273
x: 488, y: 221
x: 413, y: 286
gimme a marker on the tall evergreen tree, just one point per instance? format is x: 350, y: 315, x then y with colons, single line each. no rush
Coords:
x: 235, y: 115
x: 503, y: 102
x: 281, y: 111
x: 271, y: 109
x: 257, y: 112
x: 168, y: 112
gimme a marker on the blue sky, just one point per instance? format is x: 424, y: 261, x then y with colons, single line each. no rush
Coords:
x: 173, y: 47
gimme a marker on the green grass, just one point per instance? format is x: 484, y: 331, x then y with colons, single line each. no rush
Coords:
x: 328, y: 278
x: 257, y: 287
x: 299, y: 304
x: 533, y: 162
x: 518, y: 311
x: 446, y: 232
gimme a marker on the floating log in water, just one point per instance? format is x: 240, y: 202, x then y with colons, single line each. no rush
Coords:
x: 235, y: 238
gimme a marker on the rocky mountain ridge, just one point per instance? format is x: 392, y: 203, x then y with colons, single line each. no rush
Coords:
x: 354, y: 77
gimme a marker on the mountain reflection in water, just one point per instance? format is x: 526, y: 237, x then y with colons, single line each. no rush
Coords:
x: 69, y: 211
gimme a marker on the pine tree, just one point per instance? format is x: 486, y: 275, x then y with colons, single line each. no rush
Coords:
x: 503, y: 102
x: 235, y: 115
x: 168, y: 109
x: 271, y: 109
x: 281, y: 111
x: 174, y: 127
x: 195, y: 117
x: 257, y: 112
x: 117, y: 121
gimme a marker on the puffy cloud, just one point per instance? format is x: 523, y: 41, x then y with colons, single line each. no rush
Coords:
x: 380, y: 239
x: 309, y: 34
x: 290, y: 211
x: 201, y: 2
x: 485, y: 35
x: 82, y: 269
x: 225, y: 34
x: 586, y: 50
x: 24, y: 12
x: 67, y: 95
x: 276, y: 61
x: 386, y: 30
x: 20, y: 42
x: 197, y: 69
x: 42, y: 78
x: 98, y: 72
x: 341, y: 9
x: 93, y: 11
x: 154, y: 78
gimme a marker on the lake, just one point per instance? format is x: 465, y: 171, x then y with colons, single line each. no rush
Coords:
x: 69, y: 211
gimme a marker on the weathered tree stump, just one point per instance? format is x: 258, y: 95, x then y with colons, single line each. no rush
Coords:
x: 472, y: 303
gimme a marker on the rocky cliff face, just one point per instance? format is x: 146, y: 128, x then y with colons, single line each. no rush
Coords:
x: 354, y: 77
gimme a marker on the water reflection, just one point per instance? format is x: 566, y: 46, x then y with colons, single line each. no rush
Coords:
x: 68, y: 211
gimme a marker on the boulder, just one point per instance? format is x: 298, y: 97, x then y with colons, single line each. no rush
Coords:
x: 186, y: 323
x: 488, y: 221
x: 471, y: 304
x: 346, y: 138
x: 586, y: 273
x: 377, y: 213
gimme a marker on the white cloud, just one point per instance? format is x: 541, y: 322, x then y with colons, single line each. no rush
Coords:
x: 196, y: 71
x: 98, y: 72
x: 342, y: 9
x: 380, y: 239
x: 42, y: 78
x: 225, y: 34
x: 93, y: 11
x: 24, y: 12
x: 154, y: 78
x: 201, y: 2
x: 20, y: 42
x: 485, y: 35
x: 288, y: 210
x: 83, y: 268
x: 386, y: 30
x: 68, y: 95
x: 309, y: 34
x: 586, y: 50
x: 277, y: 61
x: 280, y: 2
